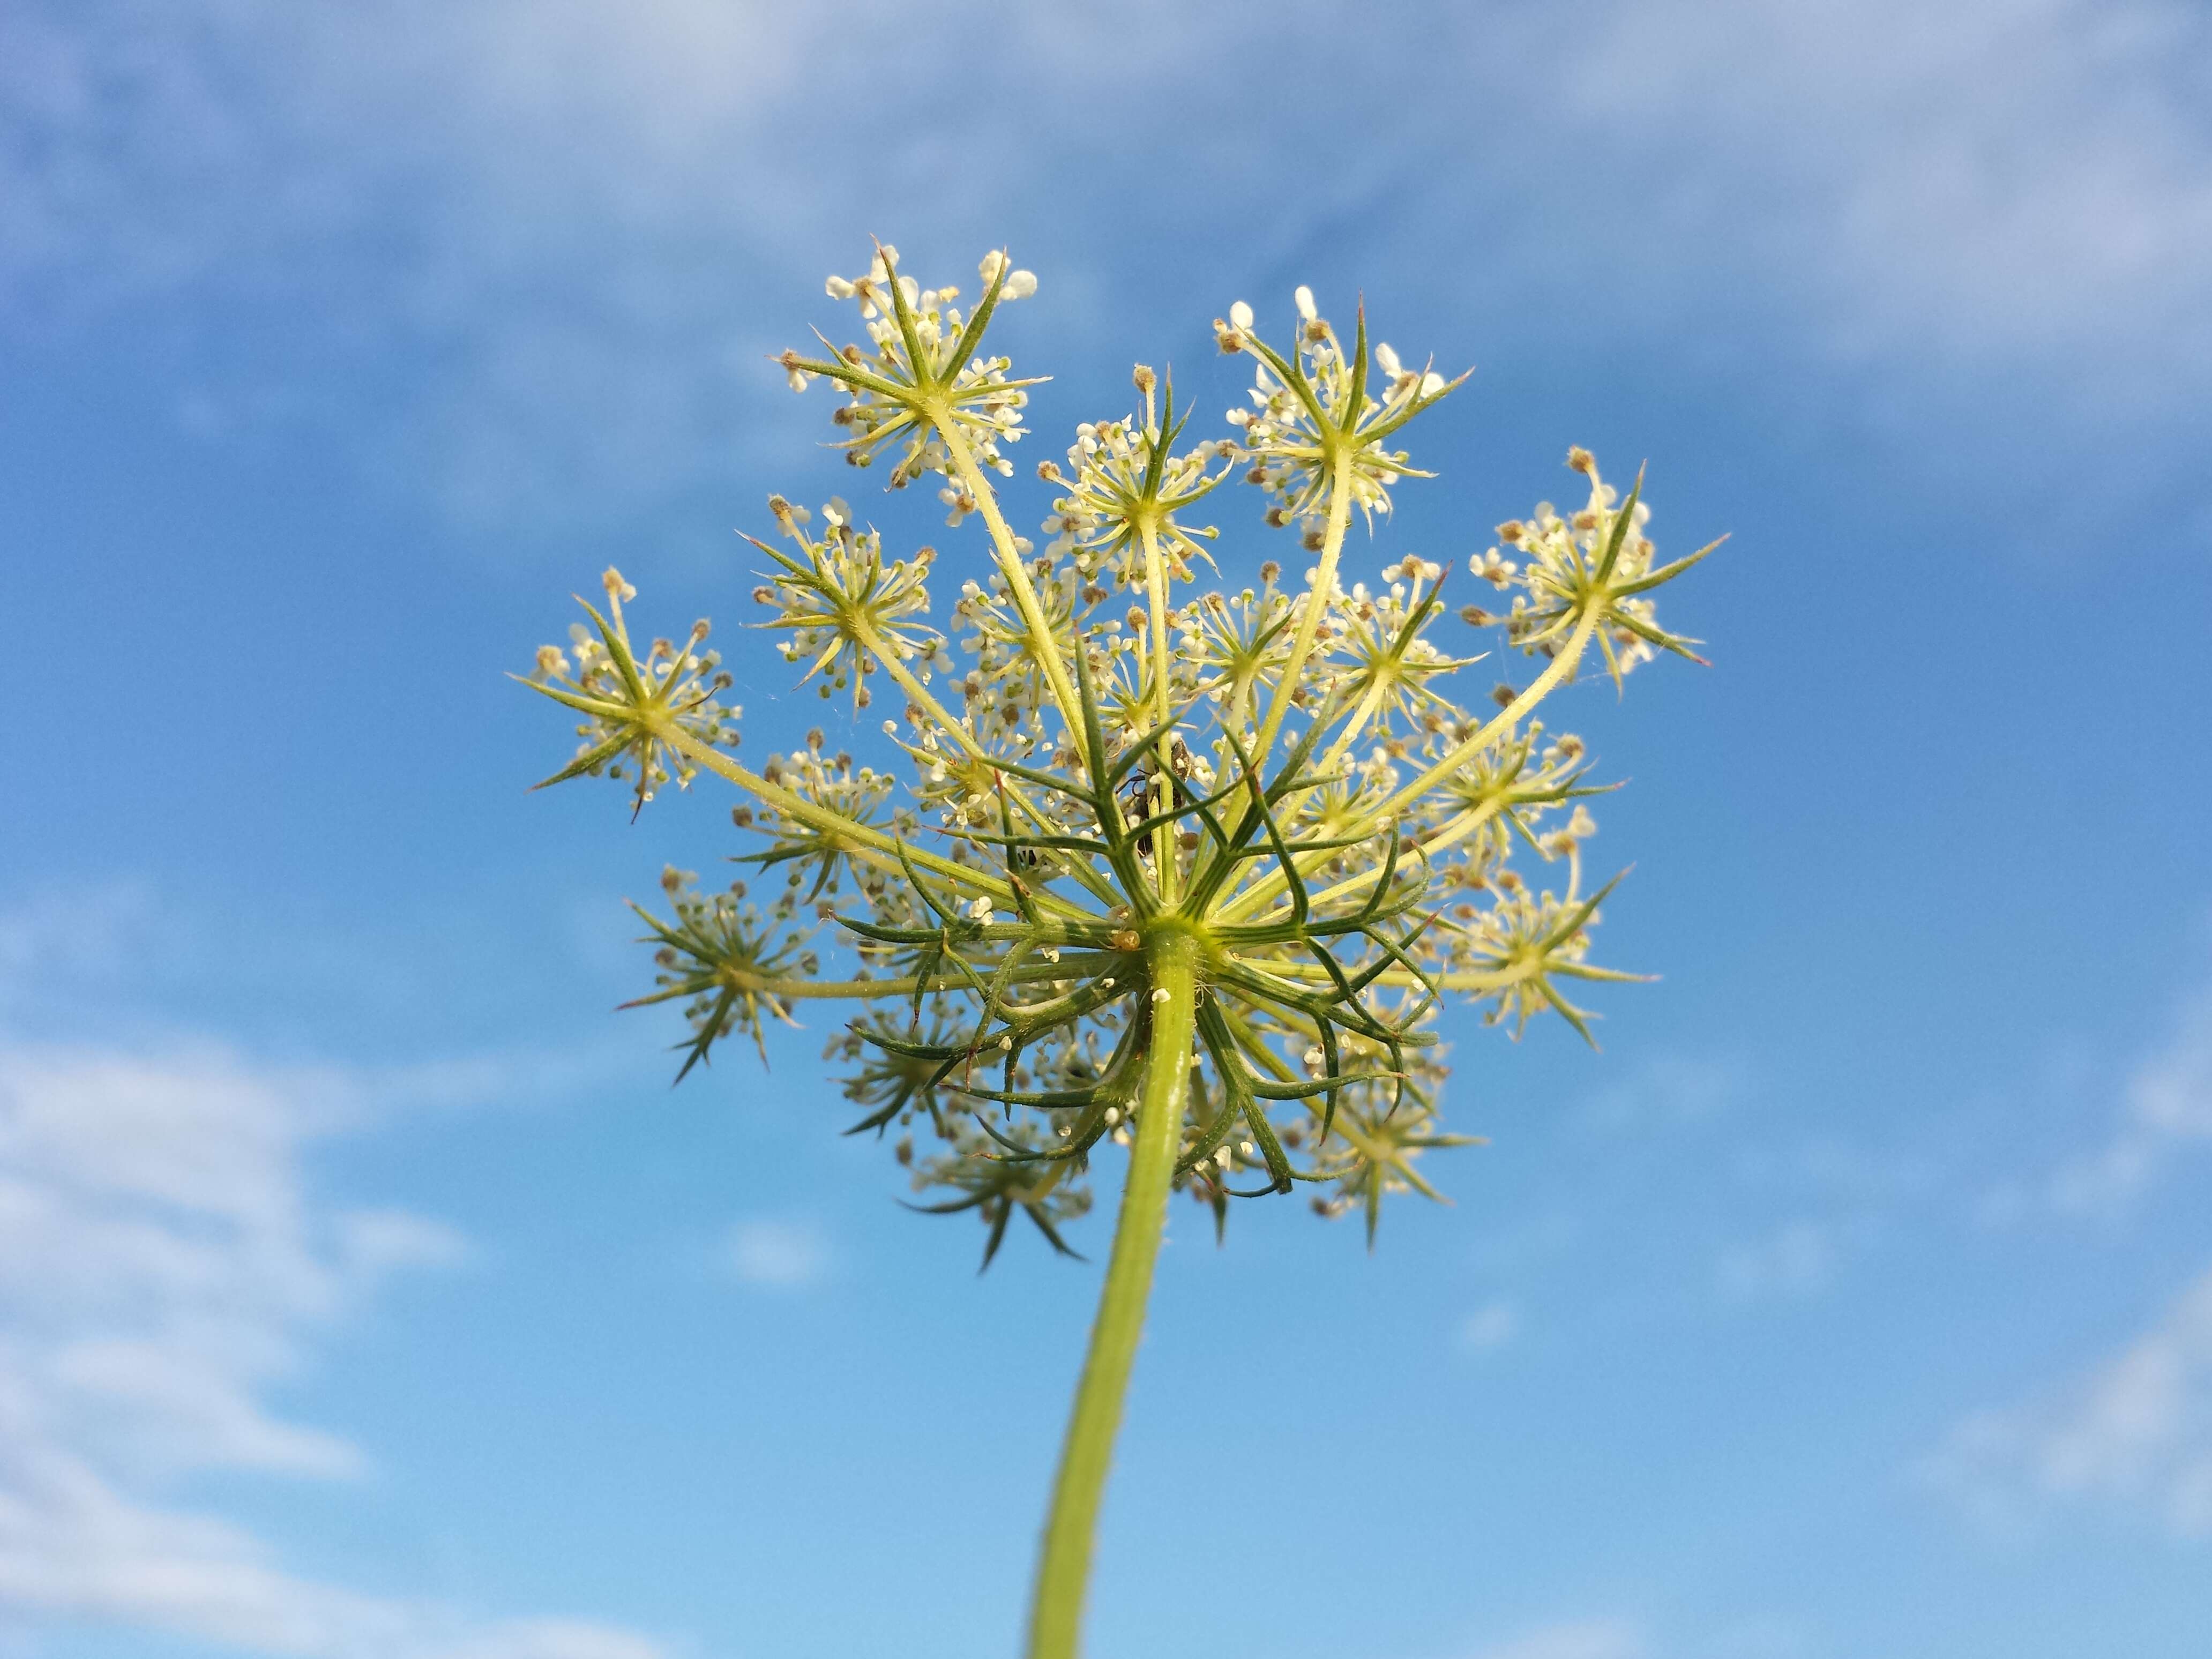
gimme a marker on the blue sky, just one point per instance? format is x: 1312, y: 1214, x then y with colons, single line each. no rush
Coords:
x: 365, y: 1291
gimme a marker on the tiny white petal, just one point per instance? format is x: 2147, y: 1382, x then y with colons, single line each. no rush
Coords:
x: 1240, y: 315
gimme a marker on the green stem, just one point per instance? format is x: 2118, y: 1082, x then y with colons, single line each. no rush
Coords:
x: 867, y: 844
x: 919, y: 696
x: 794, y: 990
x: 1240, y: 904
x: 1046, y: 647
x: 1064, y: 1565
x: 1155, y: 593
x: 1302, y: 643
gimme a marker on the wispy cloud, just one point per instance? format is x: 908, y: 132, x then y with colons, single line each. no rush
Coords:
x: 1490, y: 1327
x: 1592, y: 1639
x: 1975, y: 177
x: 566, y: 206
x: 777, y: 1255
x: 2134, y: 1434
x: 2166, y: 1109
x: 1798, y: 1258
x: 1666, y: 1095
x: 75, y: 934
x: 164, y: 1261
x: 2125, y: 1134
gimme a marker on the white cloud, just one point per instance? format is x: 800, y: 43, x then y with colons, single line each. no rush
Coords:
x: 1795, y: 1258
x: 1595, y: 1639
x: 2166, y: 1108
x: 568, y: 206
x: 779, y: 1256
x: 2010, y: 175
x: 55, y: 932
x: 163, y: 1262
x: 1491, y: 1325
x: 1666, y: 1095
x: 2136, y: 1433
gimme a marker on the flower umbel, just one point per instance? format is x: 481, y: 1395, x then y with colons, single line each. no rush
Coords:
x: 634, y: 708
x: 840, y: 607
x: 919, y: 372
x: 1123, y: 480
x: 1320, y: 416
x: 1135, y: 865
x: 1341, y: 891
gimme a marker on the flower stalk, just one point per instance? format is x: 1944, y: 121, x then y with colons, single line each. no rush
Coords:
x: 1071, y: 1523
x: 1178, y: 877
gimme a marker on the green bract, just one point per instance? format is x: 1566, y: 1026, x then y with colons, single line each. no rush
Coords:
x: 1193, y: 873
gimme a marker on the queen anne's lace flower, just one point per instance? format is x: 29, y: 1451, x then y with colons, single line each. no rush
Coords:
x: 1123, y: 480
x: 1390, y: 662
x: 1320, y: 406
x: 917, y: 376
x: 610, y: 682
x: 842, y: 608
x: 1566, y: 561
x: 1291, y: 772
x: 1192, y: 874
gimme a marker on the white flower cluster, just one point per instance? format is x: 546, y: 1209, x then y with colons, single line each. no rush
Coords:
x: 609, y: 679
x: 1005, y: 693
x: 857, y: 794
x: 919, y: 335
x: 1320, y: 402
x: 1561, y: 558
x: 1121, y: 479
x: 718, y: 955
x: 1096, y: 759
x: 845, y: 608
